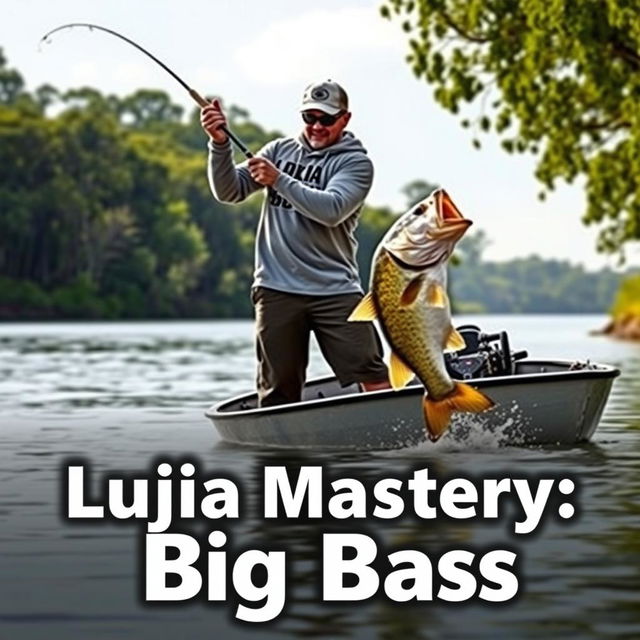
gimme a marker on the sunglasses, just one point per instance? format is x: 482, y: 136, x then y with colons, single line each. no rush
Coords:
x: 325, y: 119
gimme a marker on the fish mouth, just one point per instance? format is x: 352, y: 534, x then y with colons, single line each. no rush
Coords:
x: 451, y: 223
x: 426, y: 236
x: 447, y: 210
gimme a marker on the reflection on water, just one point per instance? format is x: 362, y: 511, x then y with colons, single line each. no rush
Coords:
x: 120, y: 395
x: 111, y: 365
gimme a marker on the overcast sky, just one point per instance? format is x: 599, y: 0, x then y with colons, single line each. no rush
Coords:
x: 260, y: 55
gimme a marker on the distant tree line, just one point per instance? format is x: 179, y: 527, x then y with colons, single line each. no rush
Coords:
x: 105, y: 212
x: 527, y: 285
x: 105, y: 209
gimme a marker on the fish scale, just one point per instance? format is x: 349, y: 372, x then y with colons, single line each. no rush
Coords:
x: 416, y: 332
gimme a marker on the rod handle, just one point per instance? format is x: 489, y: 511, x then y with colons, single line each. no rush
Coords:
x: 202, y: 102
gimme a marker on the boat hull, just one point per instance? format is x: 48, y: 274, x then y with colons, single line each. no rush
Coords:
x: 545, y: 402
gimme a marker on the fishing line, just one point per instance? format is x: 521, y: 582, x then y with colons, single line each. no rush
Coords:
x: 46, y: 39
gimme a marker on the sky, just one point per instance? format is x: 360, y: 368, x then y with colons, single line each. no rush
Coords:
x: 260, y: 55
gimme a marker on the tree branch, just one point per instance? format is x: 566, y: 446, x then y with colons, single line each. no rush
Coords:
x: 461, y: 32
x: 626, y: 53
x: 611, y: 125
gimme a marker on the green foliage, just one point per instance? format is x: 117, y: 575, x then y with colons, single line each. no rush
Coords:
x: 149, y: 110
x: 16, y: 296
x: 526, y: 285
x: 559, y: 79
x: 627, y: 302
x: 11, y: 83
x: 79, y: 298
x: 374, y: 222
x: 105, y: 208
x: 106, y: 212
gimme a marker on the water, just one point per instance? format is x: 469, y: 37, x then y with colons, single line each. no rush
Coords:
x: 120, y: 396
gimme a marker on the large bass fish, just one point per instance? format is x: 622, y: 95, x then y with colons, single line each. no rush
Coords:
x: 408, y: 297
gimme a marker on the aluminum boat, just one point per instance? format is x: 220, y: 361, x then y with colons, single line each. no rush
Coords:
x: 536, y: 402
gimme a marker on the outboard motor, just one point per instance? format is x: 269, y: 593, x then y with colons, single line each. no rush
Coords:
x: 486, y: 355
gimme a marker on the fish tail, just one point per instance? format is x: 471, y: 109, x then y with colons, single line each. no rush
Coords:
x: 437, y: 413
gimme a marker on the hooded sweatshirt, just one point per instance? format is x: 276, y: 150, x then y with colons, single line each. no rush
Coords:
x: 305, y: 240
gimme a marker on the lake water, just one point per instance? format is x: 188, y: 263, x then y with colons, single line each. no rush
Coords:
x: 122, y: 395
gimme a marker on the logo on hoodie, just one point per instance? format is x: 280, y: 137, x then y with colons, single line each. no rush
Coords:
x: 306, y: 173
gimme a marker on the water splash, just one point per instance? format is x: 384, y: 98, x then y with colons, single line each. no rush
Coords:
x: 505, y: 426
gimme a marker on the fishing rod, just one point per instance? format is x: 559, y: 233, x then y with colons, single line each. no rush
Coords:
x: 46, y: 38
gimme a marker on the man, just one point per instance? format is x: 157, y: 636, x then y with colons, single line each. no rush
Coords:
x: 306, y: 277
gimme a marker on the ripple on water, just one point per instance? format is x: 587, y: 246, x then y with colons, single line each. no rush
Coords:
x: 123, y: 396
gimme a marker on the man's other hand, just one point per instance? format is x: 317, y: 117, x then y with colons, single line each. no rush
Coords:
x: 263, y: 171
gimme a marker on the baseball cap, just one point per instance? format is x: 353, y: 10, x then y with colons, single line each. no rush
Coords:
x: 327, y: 96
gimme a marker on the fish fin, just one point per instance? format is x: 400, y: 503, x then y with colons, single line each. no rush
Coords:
x: 411, y: 291
x: 365, y: 311
x: 437, y: 413
x: 468, y: 398
x: 436, y: 295
x: 455, y: 342
x: 399, y: 373
x: 437, y: 416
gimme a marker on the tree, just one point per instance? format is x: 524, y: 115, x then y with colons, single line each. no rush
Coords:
x: 150, y: 109
x: 472, y: 247
x: 374, y: 223
x: 11, y: 82
x: 558, y: 79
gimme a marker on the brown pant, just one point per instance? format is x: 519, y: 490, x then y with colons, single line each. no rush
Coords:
x: 284, y: 322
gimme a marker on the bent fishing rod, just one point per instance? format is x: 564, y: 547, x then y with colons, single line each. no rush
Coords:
x: 192, y: 92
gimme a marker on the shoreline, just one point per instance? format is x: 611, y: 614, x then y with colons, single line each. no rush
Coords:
x: 625, y: 326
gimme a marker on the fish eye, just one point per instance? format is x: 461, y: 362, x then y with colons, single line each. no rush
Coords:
x: 417, y: 211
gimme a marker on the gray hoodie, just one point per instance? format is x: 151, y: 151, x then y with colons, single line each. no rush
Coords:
x: 305, y: 241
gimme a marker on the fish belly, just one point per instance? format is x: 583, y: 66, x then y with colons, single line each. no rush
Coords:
x: 416, y: 332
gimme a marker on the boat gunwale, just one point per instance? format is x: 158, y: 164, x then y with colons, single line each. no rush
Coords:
x: 216, y: 411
